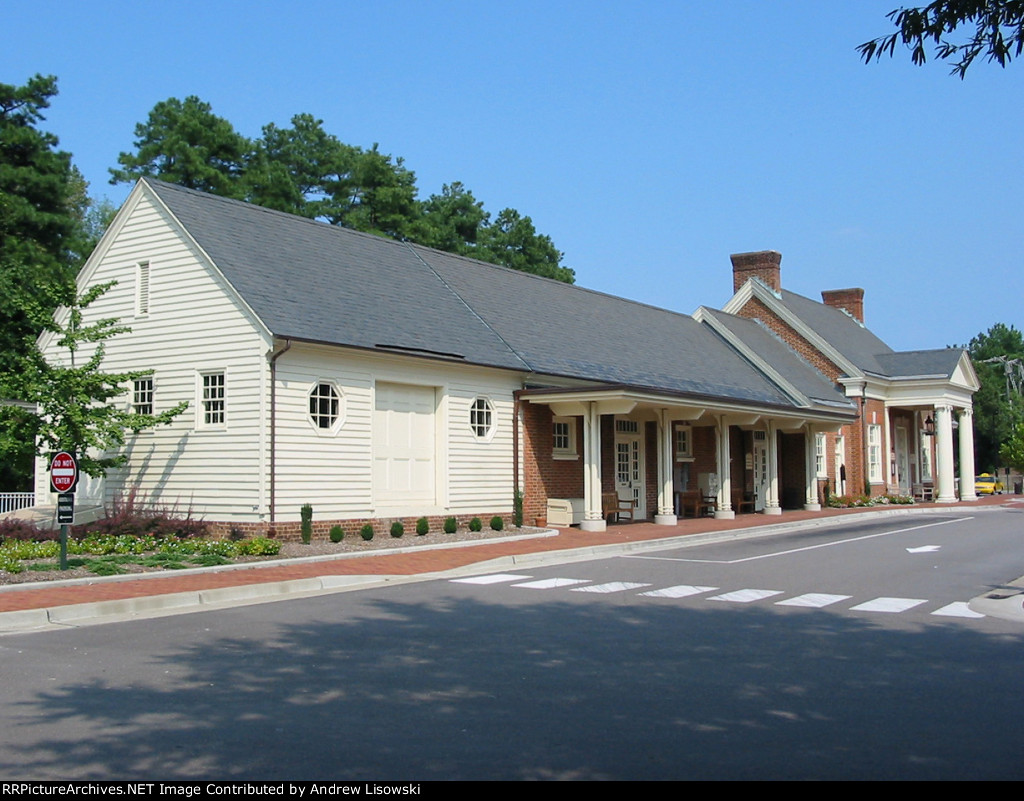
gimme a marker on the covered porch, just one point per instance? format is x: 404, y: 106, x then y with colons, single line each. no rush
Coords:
x: 663, y: 457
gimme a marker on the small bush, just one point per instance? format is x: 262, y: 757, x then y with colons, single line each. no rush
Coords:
x: 475, y: 524
x: 337, y: 533
x: 236, y: 534
x: 366, y: 532
x: 517, y: 509
x: 397, y: 529
x: 307, y: 523
x: 422, y: 526
x: 450, y: 525
x: 497, y: 523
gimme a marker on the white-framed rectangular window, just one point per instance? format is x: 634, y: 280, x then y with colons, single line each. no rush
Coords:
x: 563, y: 438
x: 684, y: 443
x: 213, y: 400
x: 142, y: 289
x: 875, y: 454
x: 820, y: 469
x: 142, y: 396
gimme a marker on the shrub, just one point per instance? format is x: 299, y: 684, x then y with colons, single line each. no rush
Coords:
x: 366, y: 532
x: 422, y: 526
x: 517, y: 509
x: 12, y: 529
x: 337, y: 533
x: 450, y: 524
x: 497, y: 524
x: 131, y: 514
x: 475, y: 524
x: 397, y: 529
x: 307, y: 522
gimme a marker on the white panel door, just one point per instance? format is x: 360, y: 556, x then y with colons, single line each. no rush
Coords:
x: 404, y: 448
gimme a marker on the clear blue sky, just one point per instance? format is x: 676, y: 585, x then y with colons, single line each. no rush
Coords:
x: 649, y: 139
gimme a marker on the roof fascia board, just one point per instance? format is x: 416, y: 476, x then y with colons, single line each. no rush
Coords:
x: 748, y: 353
x: 208, y: 261
x: 767, y: 297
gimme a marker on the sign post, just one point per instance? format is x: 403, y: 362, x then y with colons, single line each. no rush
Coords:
x: 63, y: 480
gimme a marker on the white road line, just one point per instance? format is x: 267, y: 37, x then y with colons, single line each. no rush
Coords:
x: 888, y: 605
x: 551, y: 583
x: 815, y: 600
x: 612, y: 586
x: 794, y: 550
x: 745, y: 596
x: 494, y: 578
x: 679, y: 591
x: 957, y: 609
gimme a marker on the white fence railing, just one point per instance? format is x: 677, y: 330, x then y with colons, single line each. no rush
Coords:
x: 10, y: 501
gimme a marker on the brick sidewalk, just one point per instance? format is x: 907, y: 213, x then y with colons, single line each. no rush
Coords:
x: 43, y: 596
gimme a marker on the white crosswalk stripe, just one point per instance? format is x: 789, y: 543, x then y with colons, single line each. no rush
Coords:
x: 679, y: 591
x: 813, y: 599
x: 613, y: 586
x: 745, y: 596
x: 888, y: 605
x: 957, y: 609
x: 810, y: 600
x: 551, y: 583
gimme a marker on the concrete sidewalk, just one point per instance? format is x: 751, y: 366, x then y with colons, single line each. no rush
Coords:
x: 91, y: 600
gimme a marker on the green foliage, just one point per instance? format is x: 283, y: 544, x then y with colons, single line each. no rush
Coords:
x: 185, y: 143
x: 422, y: 526
x: 998, y: 408
x: 337, y: 533
x: 450, y: 525
x: 497, y: 524
x: 306, y: 526
x: 305, y: 170
x: 1012, y: 451
x: 366, y: 532
x: 74, y: 397
x: 476, y: 524
x: 397, y: 529
x: 998, y: 32
x: 517, y: 508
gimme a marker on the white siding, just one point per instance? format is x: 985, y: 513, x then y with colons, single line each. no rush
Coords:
x: 194, y: 324
x: 333, y: 470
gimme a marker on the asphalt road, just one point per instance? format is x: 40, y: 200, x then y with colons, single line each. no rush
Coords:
x: 673, y: 665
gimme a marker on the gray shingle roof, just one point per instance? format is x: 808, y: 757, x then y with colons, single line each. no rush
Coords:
x: 920, y: 363
x: 311, y: 281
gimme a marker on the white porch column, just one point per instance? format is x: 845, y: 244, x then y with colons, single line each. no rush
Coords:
x: 666, y: 508
x: 722, y: 454
x: 593, y: 520
x: 944, y: 454
x: 811, y: 503
x: 890, y: 461
x: 967, y: 455
x: 771, y: 506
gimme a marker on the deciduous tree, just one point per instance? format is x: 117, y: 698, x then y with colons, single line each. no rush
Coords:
x: 998, y: 32
x: 998, y: 407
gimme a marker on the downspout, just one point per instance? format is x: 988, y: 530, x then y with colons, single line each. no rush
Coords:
x: 515, y: 443
x: 273, y: 428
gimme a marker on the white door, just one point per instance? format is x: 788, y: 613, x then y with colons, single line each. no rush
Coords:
x: 760, y: 470
x: 902, y: 461
x: 629, y: 464
x: 403, y: 444
x: 840, y: 465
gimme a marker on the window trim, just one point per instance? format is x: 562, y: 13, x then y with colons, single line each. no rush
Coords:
x: 568, y: 451
x: 875, y: 475
x: 482, y: 430
x: 682, y: 443
x: 339, y: 413
x: 142, y: 395
x: 206, y: 401
x: 820, y: 449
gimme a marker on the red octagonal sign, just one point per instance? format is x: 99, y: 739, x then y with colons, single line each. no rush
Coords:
x: 63, y: 472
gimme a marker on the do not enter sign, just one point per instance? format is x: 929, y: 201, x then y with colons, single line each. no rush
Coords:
x: 63, y: 472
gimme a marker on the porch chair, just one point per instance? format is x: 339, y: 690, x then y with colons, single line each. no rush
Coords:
x: 691, y: 502
x: 740, y: 502
x: 924, y: 493
x: 612, y: 504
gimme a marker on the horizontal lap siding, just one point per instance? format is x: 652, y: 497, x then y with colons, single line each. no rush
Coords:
x: 334, y: 472
x: 193, y: 325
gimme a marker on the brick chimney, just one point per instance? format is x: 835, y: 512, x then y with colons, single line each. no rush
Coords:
x: 850, y: 300
x: 763, y: 264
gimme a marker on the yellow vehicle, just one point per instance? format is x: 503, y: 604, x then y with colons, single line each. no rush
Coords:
x: 987, y: 484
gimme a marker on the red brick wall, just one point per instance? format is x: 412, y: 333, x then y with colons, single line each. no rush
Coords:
x: 544, y: 476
